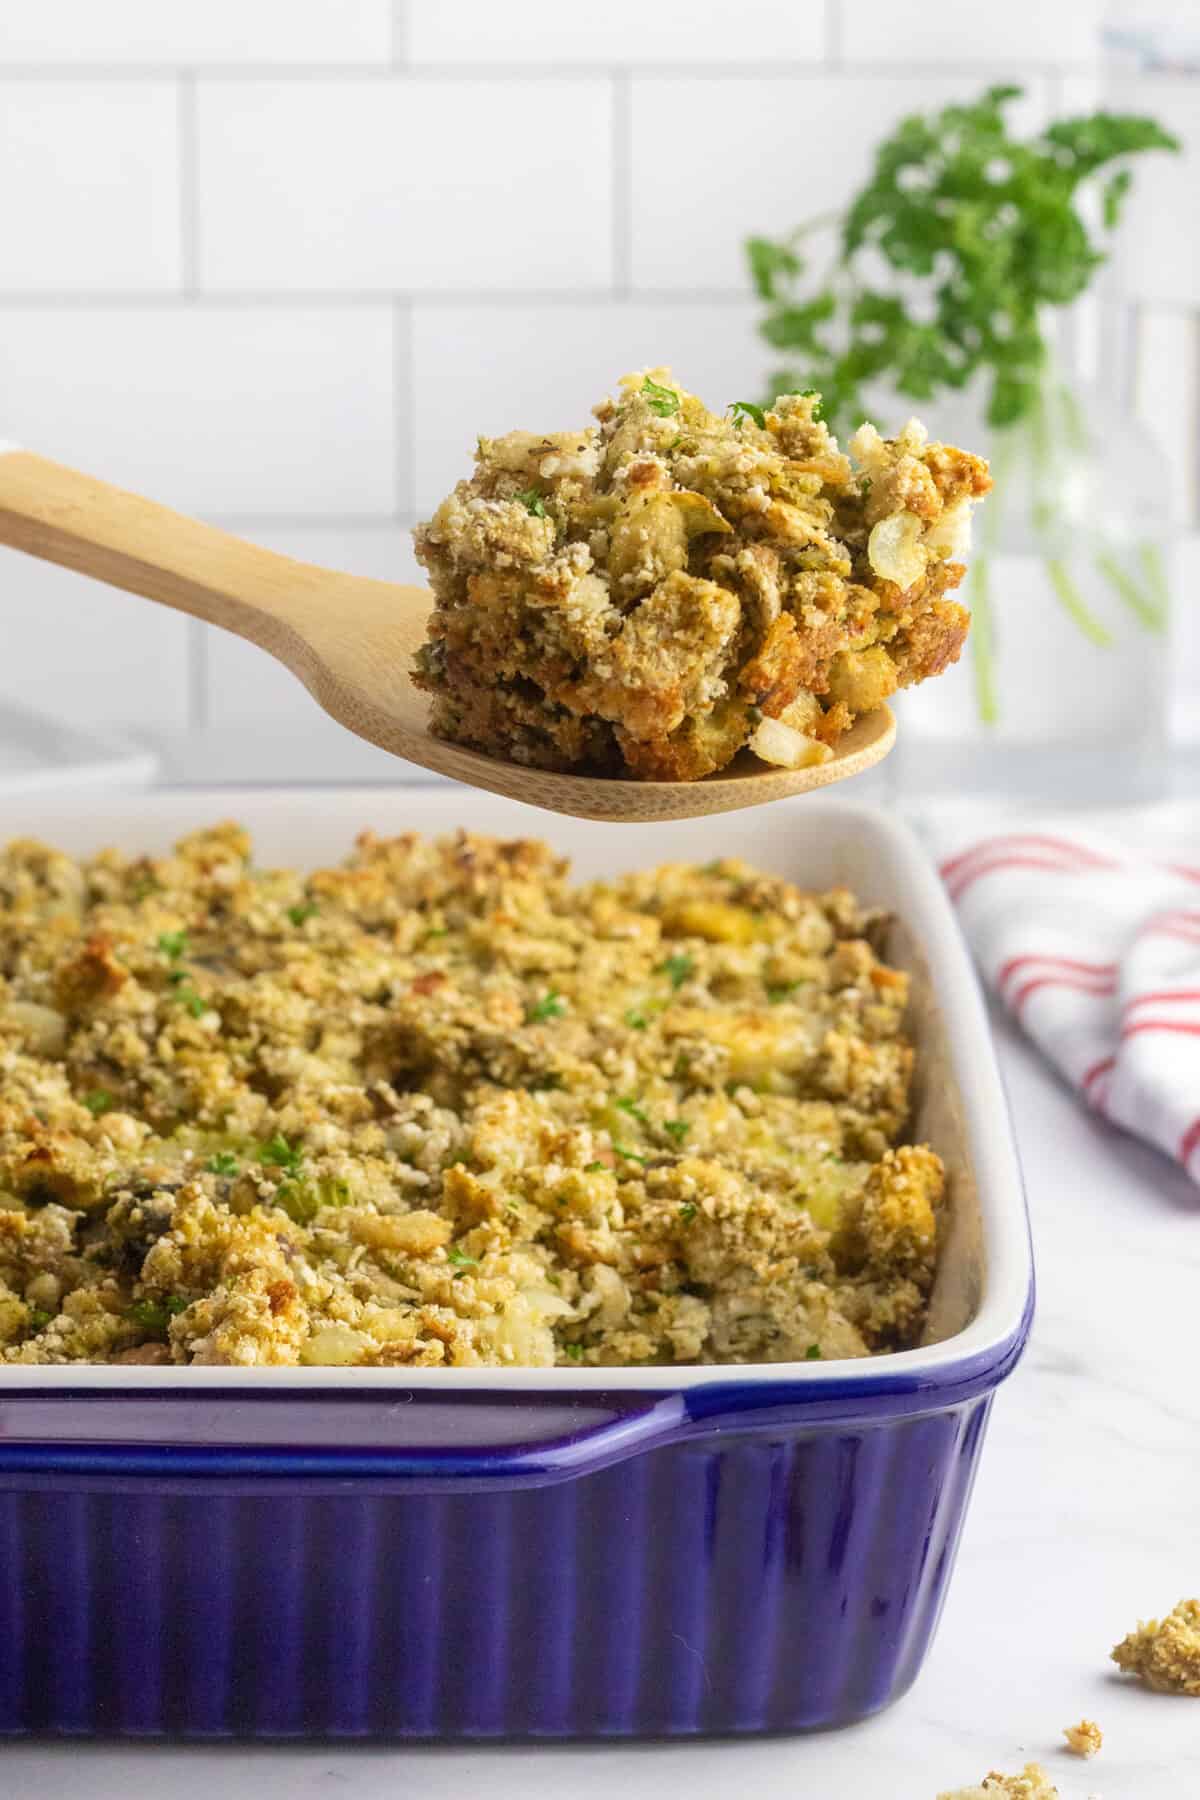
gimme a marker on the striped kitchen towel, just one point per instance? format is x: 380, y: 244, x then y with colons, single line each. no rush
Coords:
x: 1092, y: 941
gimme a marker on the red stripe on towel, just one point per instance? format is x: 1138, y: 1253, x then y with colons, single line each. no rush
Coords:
x: 1075, y: 982
x: 1052, y: 962
x: 957, y: 887
x: 1061, y: 847
x: 1189, y: 1143
x: 1167, y: 997
x: 1178, y: 1025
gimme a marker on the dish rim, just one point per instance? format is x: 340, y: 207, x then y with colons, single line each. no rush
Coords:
x: 994, y: 1335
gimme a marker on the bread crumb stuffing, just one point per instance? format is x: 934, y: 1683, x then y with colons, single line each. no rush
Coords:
x: 1083, y: 1739
x: 1165, y: 1653
x: 436, y: 1106
x: 1032, y: 1783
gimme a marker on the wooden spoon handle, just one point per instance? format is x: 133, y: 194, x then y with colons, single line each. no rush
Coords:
x: 65, y: 517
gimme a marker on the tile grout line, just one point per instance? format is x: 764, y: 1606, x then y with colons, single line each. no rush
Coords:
x: 404, y: 448
x: 197, y: 674
x: 806, y: 69
x: 833, y: 34
x: 621, y: 145
x: 401, y: 34
x: 1192, y: 522
x: 322, y: 299
x: 189, y: 214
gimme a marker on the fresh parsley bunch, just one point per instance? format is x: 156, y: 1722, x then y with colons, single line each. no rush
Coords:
x: 977, y: 232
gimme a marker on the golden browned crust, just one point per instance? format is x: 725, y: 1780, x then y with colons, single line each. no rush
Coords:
x: 1165, y: 1653
x: 638, y: 597
x: 435, y: 1106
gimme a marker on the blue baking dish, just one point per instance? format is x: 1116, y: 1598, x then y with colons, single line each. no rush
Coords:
x: 522, y: 1553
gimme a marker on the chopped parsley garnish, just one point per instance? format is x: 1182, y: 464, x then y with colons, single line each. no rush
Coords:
x: 776, y: 995
x: 635, y: 1020
x: 746, y: 409
x: 224, y: 1162
x: 533, y: 503
x: 574, y: 1351
x: 688, y: 1211
x: 460, y: 1259
x: 675, y: 443
x: 436, y: 931
x: 175, y: 1304
x: 194, y: 1002
x: 630, y: 1106
x: 99, y: 1101
x: 550, y: 1006
x: 594, y: 1168
x: 307, y: 909
x: 151, y: 1315
x: 814, y: 396
x: 174, y: 944
x: 813, y: 1353
x: 39, y: 1318
x: 677, y: 1128
x: 628, y: 1154
x: 661, y: 400
x: 277, y: 1153
x: 678, y: 968
x: 177, y: 976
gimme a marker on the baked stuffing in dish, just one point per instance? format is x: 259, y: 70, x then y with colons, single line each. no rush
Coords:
x: 650, y: 595
x: 1165, y: 1654
x: 438, y: 1106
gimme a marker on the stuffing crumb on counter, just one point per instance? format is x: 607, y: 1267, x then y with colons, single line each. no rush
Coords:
x: 649, y: 596
x: 1165, y: 1654
x: 1032, y: 1783
x: 437, y: 1106
x: 1084, y: 1739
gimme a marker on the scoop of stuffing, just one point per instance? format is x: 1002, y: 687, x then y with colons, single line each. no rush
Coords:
x: 1032, y: 1783
x: 648, y: 596
x: 1084, y: 1739
x: 1165, y: 1654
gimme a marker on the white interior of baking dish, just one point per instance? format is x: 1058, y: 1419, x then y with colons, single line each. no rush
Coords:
x: 984, y: 1271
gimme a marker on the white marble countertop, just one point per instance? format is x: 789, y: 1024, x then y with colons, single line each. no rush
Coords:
x: 1084, y: 1517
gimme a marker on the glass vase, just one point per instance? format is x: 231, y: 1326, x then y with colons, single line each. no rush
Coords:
x: 1061, y: 696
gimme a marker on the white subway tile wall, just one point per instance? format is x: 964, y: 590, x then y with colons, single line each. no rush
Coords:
x: 91, y: 187
x: 278, y: 261
x: 243, y: 410
x: 471, y: 184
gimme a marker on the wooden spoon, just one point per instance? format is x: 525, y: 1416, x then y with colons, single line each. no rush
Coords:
x: 351, y: 641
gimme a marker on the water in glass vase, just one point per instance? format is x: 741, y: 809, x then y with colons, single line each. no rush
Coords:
x: 1061, y: 696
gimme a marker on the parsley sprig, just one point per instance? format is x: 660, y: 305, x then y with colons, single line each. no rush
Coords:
x: 277, y: 1153
x: 661, y: 400
x: 532, y: 501
x: 746, y: 409
x: 979, y: 231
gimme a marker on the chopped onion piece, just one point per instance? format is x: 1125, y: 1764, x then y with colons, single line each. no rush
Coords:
x: 895, y: 550
x: 782, y: 744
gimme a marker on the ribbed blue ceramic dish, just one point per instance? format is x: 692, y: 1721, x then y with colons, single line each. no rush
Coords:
x: 525, y: 1553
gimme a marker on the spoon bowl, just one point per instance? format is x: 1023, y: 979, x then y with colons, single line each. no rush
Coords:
x: 351, y: 641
